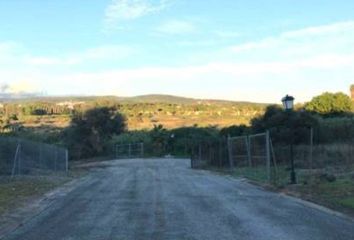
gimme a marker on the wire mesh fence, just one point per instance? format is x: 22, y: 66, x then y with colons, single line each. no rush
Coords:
x: 211, y: 153
x: 251, y: 156
x: 257, y: 157
x: 24, y: 157
x: 129, y: 150
x: 315, y: 152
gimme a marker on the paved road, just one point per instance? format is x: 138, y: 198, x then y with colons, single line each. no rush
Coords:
x: 165, y: 199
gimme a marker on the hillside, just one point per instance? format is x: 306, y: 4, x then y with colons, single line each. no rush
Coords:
x: 53, y: 113
x: 149, y: 98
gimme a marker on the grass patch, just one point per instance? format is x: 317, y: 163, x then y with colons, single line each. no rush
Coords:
x: 259, y: 174
x: 16, y: 192
x: 347, y: 202
x: 338, y: 195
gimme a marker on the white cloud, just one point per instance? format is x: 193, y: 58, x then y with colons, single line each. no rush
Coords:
x: 7, y: 47
x: 332, y: 35
x: 221, y: 79
x: 227, y: 34
x: 203, y: 43
x: 304, y: 62
x: 22, y: 87
x: 10, y: 51
x: 18, y: 89
x: 47, y: 61
x: 263, y: 81
x: 334, y: 28
x: 176, y: 27
x: 124, y: 10
x: 105, y: 52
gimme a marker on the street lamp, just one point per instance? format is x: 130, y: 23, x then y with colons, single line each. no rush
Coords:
x: 288, y: 103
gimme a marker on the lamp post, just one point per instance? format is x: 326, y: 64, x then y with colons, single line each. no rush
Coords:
x: 288, y: 103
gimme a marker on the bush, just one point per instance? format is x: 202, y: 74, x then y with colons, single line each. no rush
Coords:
x: 285, y: 126
x: 89, y: 132
x: 330, y: 104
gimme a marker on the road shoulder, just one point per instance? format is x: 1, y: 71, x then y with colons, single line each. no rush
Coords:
x: 32, y: 205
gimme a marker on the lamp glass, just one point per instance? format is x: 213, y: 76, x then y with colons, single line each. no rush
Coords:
x: 288, y: 102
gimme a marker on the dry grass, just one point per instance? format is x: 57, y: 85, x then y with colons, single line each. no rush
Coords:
x: 15, y: 192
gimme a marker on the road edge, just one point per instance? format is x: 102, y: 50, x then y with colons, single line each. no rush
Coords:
x: 296, y: 199
x: 33, y: 208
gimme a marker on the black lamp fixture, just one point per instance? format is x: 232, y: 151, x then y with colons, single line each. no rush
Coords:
x: 288, y: 102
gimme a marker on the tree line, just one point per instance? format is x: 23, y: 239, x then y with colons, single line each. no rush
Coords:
x: 96, y: 130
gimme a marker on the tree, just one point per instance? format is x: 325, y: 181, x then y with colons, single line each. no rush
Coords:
x: 285, y: 126
x: 235, y: 130
x: 91, y: 130
x: 331, y: 104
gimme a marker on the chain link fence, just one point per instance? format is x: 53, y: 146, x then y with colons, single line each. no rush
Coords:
x: 252, y: 156
x: 259, y: 158
x: 24, y: 157
x: 129, y: 150
x: 210, y: 153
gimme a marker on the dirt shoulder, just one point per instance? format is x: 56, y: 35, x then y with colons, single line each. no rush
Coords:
x: 337, y: 195
x: 23, y: 197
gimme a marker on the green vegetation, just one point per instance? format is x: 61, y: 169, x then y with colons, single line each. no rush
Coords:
x: 82, y: 124
x: 347, y: 202
x: 142, y: 112
x: 337, y: 194
x: 330, y: 104
x: 91, y: 130
x: 259, y: 174
x: 91, y: 127
x: 285, y: 126
x: 160, y: 141
x: 15, y: 192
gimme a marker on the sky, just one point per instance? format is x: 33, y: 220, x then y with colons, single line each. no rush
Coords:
x: 257, y: 50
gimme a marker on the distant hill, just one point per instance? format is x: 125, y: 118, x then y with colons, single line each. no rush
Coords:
x: 159, y: 98
x: 150, y: 98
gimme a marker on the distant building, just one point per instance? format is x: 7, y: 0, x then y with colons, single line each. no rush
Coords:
x: 70, y: 104
x: 352, y: 91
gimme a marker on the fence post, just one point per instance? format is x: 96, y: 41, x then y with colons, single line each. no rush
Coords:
x: 311, y: 148
x: 248, y: 146
x: 274, y: 161
x: 116, y: 148
x: 15, y: 159
x: 142, y: 150
x: 220, y: 152
x: 200, y: 152
x: 268, y: 154
x: 40, y: 157
x: 192, y: 157
x: 19, y: 159
x: 229, y: 146
x: 66, y: 160
x: 55, y: 159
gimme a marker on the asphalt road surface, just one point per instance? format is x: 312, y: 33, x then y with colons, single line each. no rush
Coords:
x: 165, y: 199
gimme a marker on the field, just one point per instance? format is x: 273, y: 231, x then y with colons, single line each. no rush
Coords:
x: 52, y: 114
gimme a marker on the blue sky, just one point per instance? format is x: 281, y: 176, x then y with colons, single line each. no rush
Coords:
x: 255, y: 50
